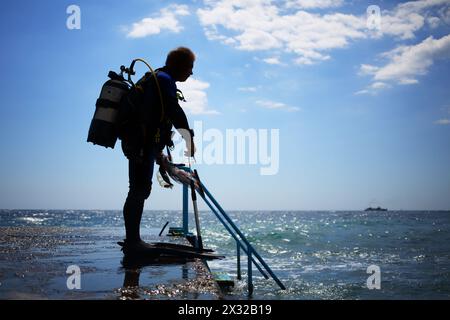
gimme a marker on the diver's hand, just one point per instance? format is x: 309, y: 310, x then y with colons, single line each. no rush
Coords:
x: 190, y: 149
x: 188, y: 136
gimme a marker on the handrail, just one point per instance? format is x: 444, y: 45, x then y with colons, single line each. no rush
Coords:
x: 233, y: 230
x: 235, y: 237
x: 244, y: 239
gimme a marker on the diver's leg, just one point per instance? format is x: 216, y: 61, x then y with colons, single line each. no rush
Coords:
x: 140, y: 177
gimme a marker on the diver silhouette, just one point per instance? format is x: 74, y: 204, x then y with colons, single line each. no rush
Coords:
x: 144, y: 139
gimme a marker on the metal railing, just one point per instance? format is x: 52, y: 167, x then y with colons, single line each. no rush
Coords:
x: 253, y: 256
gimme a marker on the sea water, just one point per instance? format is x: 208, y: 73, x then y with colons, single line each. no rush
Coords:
x: 316, y: 254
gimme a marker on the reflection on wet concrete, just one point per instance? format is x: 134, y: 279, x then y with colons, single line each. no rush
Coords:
x: 198, y: 282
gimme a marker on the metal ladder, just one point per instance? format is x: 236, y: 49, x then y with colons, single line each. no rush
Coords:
x: 242, y: 243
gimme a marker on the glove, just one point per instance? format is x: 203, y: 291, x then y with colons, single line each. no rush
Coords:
x: 188, y: 136
x: 190, y: 149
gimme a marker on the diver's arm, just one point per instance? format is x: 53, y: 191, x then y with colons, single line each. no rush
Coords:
x: 171, y: 107
x: 179, y: 120
x: 177, y: 116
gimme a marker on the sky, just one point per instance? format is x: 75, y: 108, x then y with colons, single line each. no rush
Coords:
x: 345, y: 107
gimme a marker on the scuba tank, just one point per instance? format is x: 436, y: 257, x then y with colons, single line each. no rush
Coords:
x: 103, y: 130
x: 103, y: 125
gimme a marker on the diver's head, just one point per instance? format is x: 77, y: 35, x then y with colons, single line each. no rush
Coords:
x: 180, y: 63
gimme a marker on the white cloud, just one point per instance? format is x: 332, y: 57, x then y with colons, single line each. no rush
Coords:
x: 248, y: 89
x: 373, y: 89
x: 267, y: 25
x: 401, y: 25
x: 433, y: 22
x: 445, y: 120
x: 408, y: 81
x: 312, y: 4
x: 406, y: 63
x: 442, y: 122
x: 379, y: 85
x: 267, y: 104
x: 409, y: 17
x: 196, y: 97
x: 263, y: 25
x: 273, y: 60
x: 367, y: 69
x: 254, y: 39
x: 444, y: 14
x: 364, y: 91
x: 167, y: 19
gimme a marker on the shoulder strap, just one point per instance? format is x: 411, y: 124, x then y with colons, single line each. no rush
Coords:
x: 131, y: 72
x: 160, y: 95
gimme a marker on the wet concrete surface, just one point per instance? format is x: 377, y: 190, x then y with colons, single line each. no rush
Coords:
x: 34, y: 261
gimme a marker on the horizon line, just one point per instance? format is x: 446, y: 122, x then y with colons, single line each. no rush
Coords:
x: 262, y: 210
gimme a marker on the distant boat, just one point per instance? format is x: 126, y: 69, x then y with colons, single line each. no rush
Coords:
x: 376, y: 209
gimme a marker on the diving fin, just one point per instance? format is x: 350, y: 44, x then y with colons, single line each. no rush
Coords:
x: 166, y: 249
x: 180, y: 247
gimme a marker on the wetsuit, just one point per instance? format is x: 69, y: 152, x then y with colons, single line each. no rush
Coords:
x: 149, y: 138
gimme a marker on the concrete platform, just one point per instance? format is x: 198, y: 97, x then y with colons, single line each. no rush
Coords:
x: 34, y: 260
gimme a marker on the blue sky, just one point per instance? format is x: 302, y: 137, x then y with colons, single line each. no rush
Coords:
x: 363, y: 114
